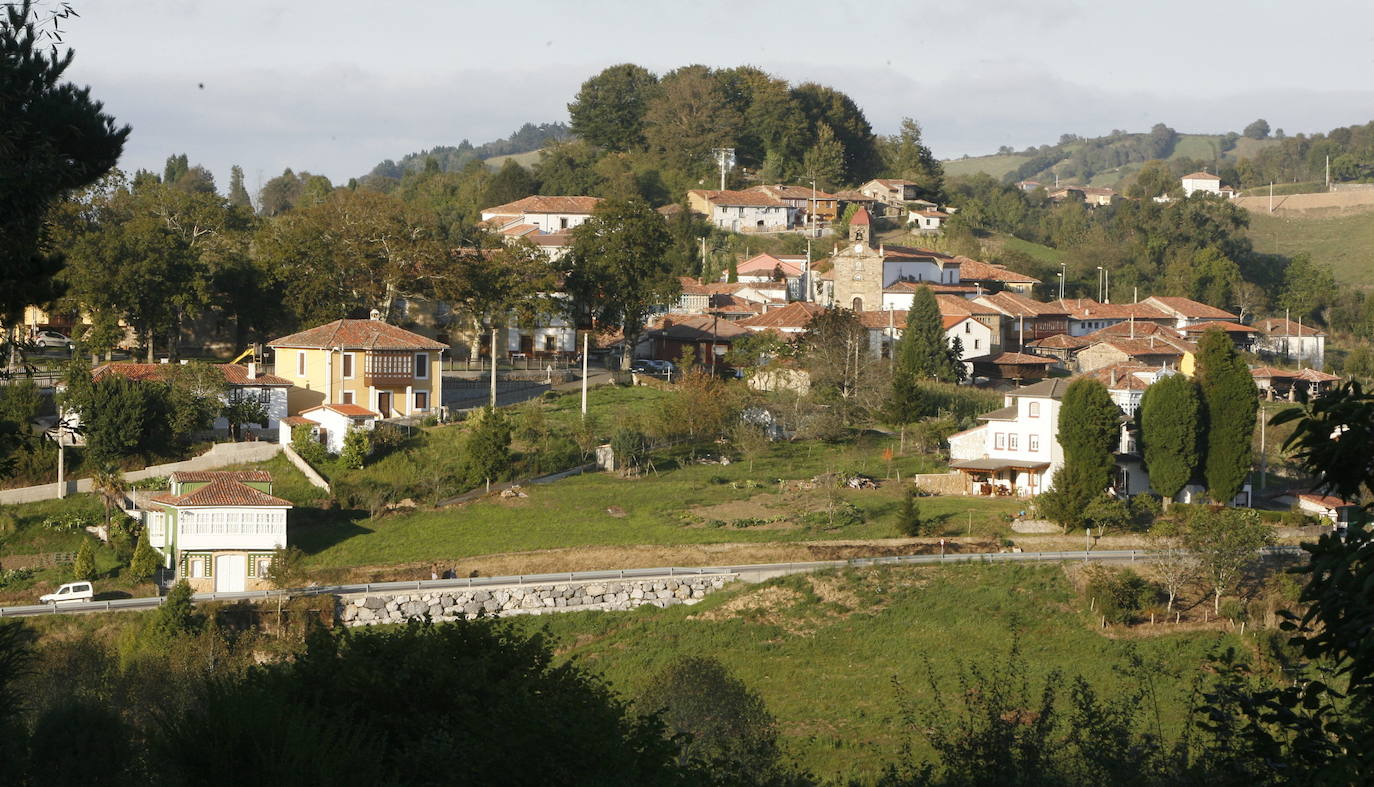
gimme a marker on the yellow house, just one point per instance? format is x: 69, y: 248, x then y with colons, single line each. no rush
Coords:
x: 368, y: 363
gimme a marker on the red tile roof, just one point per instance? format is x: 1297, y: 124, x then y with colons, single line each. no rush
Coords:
x: 792, y: 192
x: 1013, y: 305
x: 877, y: 319
x: 1020, y: 359
x: 1229, y: 327
x: 954, y: 304
x: 350, y: 410
x: 1201, y: 176
x: 854, y: 196
x: 1159, y: 346
x: 358, y: 335
x: 1314, y: 376
x: 1060, y: 341
x: 698, y: 328
x: 1271, y: 372
x: 1277, y: 326
x: 791, y: 265
x: 977, y: 270
x: 234, y: 374
x: 861, y: 218
x: 732, y: 199
x: 1131, y: 329
x: 1188, y: 308
x: 205, y: 476
x: 1325, y: 501
x: 797, y: 314
x: 935, y: 286
x: 1089, y: 309
x: 541, y: 204
x: 1122, y: 376
x: 221, y: 492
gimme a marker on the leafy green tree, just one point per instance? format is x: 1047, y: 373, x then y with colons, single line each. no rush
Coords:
x: 54, y: 139
x: 357, y: 445
x: 1170, y: 433
x: 109, y: 483
x: 827, y: 106
x: 906, y: 156
x: 1259, y: 129
x: 243, y: 410
x: 486, y: 448
x: 84, y: 565
x: 824, y: 160
x: 715, y: 720
x: 510, y: 183
x: 306, y: 445
x: 617, y: 271
x: 1154, y: 180
x: 689, y: 115
x: 1226, y: 541
x: 609, y: 108
x: 1089, y: 428
x: 1307, y: 288
x: 909, y: 522
x: 1229, y: 404
x: 90, y: 726
x: 146, y: 559
x: 117, y: 415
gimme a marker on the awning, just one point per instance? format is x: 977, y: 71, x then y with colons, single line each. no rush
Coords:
x: 989, y: 465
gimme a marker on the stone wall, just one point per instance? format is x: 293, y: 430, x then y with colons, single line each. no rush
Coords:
x: 458, y: 604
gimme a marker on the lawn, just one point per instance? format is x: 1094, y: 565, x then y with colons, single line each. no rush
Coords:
x: 1345, y: 243
x: 996, y: 166
x: 1046, y: 254
x: 823, y: 651
x: 24, y: 531
x: 682, y: 503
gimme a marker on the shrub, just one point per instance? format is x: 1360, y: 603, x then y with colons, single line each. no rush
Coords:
x: 1120, y: 595
x: 306, y: 446
x: 145, y: 560
x: 1105, y: 512
x: 13, y: 576
x: 84, y: 565
x: 70, y: 522
x: 357, y: 445
x: 909, y: 516
x: 1145, y: 509
x: 631, y: 448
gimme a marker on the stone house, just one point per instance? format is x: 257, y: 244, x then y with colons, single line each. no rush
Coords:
x: 740, y: 211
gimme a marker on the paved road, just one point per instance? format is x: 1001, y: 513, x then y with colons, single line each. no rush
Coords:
x: 755, y: 572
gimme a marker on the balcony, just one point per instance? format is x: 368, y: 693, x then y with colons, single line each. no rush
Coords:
x: 389, y: 369
x: 264, y: 530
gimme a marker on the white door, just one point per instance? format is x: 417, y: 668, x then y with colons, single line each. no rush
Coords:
x: 230, y: 571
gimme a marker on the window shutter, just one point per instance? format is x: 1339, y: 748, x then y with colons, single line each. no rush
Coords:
x: 209, y: 566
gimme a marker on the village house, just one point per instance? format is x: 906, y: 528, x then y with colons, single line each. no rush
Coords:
x: 330, y: 424
x: 1154, y: 350
x: 706, y: 338
x: 1126, y: 382
x: 858, y: 199
x: 546, y: 214
x: 1025, y: 320
x: 1290, y: 341
x: 1243, y: 336
x: 1292, y: 385
x: 992, y: 278
x: 385, y: 369
x: 217, y: 529
x: 1015, y: 367
x: 885, y: 330
x: 891, y: 194
x: 1186, y: 311
x: 1017, y: 451
x: 804, y: 203
x: 1205, y: 182
x: 791, y: 269
x: 790, y: 320
x: 926, y: 221
x: 1087, y: 315
x: 740, y: 211
x: 243, y: 382
x: 856, y: 275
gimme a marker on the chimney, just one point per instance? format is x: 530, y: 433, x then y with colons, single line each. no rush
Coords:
x: 252, y: 370
x: 1113, y: 385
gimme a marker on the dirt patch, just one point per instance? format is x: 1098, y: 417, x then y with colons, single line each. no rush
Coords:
x: 832, y: 590
x: 764, y: 506
x: 766, y: 605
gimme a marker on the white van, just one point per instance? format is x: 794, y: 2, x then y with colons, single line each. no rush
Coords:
x: 72, y: 591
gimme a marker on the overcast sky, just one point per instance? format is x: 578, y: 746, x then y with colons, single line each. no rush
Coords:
x: 335, y: 87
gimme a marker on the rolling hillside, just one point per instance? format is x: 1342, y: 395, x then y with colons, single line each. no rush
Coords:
x: 1346, y: 243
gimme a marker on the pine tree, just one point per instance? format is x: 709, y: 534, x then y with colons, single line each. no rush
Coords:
x: 1170, y: 433
x: 1229, y: 404
x: 145, y: 560
x: 84, y: 565
x: 909, y: 516
x: 238, y: 195
x: 1089, y: 428
x: 923, y: 353
x: 487, y: 447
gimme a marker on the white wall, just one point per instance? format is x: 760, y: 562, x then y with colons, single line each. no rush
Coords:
x: 919, y: 271
x: 231, y: 528
x: 747, y: 217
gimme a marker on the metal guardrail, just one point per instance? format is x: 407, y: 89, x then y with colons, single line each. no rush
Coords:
x: 616, y: 575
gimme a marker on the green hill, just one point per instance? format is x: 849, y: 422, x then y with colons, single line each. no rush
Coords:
x: 527, y: 159
x: 1346, y: 243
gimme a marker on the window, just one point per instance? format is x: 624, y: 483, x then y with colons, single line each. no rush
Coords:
x: 975, y: 343
x: 421, y: 400
x: 260, y: 566
x: 421, y: 365
x: 1011, y: 442
x: 857, y: 304
x: 1034, y: 441
x: 348, y: 397
x: 195, y: 567
x: 967, y: 328
x: 300, y: 363
x: 563, y: 222
x: 348, y: 366
x: 1000, y: 441
x: 1034, y: 410
x: 550, y: 343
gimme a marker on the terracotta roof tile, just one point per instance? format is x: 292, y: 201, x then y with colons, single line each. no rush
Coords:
x: 1229, y: 327
x: 1089, y: 309
x: 358, y: 335
x: 1013, y: 305
x: 1188, y: 308
x: 877, y: 319
x: 1017, y: 358
x: 1201, y: 176
x: 350, y: 410
x: 541, y: 204
x: 794, y: 315
x: 222, y: 492
x: 977, y: 270
x: 205, y: 476
x: 234, y: 374
x: 791, y: 265
x: 1277, y: 326
x: 732, y: 199
x: 792, y: 192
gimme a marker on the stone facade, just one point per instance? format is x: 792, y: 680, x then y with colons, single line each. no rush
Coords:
x: 467, y: 603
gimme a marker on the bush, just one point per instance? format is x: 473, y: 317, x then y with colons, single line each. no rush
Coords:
x: 13, y: 576
x: 357, y: 445
x: 1145, y: 509
x: 631, y: 448
x: 1105, y: 512
x: 306, y: 446
x: 70, y: 522
x: 1120, y: 595
x: 84, y: 565
x: 909, y: 516
x: 145, y: 560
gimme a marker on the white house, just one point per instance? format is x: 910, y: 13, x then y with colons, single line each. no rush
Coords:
x: 885, y: 330
x: 217, y: 528
x: 1014, y: 452
x: 740, y: 211
x: 926, y: 220
x: 1291, y: 341
x: 546, y: 215
x: 1201, y: 181
x: 330, y: 423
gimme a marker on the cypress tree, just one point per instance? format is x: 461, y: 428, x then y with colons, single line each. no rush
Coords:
x: 238, y: 195
x: 1229, y: 404
x: 145, y: 560
x: 84, y: 565
x: 922, y: 353
x: 1089, y: 428
x: 1170, y: 433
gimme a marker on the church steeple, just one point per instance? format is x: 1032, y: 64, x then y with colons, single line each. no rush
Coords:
x: 861, y: 228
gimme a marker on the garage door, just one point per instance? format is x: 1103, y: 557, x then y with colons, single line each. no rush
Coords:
x: 230, y: 572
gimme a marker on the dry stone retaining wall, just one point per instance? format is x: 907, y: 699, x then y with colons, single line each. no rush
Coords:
x: 466, y: 604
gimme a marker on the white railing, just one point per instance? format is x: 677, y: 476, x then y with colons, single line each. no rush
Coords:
x: 231, y: 529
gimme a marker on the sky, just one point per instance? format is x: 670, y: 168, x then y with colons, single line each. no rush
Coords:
x: 334, y: 87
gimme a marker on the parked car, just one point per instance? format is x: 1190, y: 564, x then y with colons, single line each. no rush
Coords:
x: 46, y: 339
x: 654, y: 367
x: 72, y: 591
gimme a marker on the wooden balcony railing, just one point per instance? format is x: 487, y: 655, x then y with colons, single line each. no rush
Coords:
x: 389, y: 369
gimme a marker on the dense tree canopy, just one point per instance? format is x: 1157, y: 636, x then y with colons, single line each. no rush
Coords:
x: 1229, y: 403
x: 1171, y: 428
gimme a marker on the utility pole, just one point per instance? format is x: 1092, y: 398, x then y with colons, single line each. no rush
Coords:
x: 1271, y: 196
x: 1099, y: 284
x: 493, y: 368
x: 725, y: 159
x: 1063, y: 274
x: 1107, y: 285
x: 1328, y: 171
x: 584, y: 374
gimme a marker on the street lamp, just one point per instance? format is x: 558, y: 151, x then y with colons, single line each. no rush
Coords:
x: 1061, y: 285
x: 1099, y: 283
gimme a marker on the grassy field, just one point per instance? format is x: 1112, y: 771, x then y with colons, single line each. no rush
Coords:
x: 1035, y: 250
x: 1346, y: 243
x: 24, y: 532
x: 683, y: 503
x: 527, y: 159
x: 823, y: 650
x: 996, y: 166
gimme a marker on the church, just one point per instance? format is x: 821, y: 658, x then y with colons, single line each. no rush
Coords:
x: 856, y: 275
